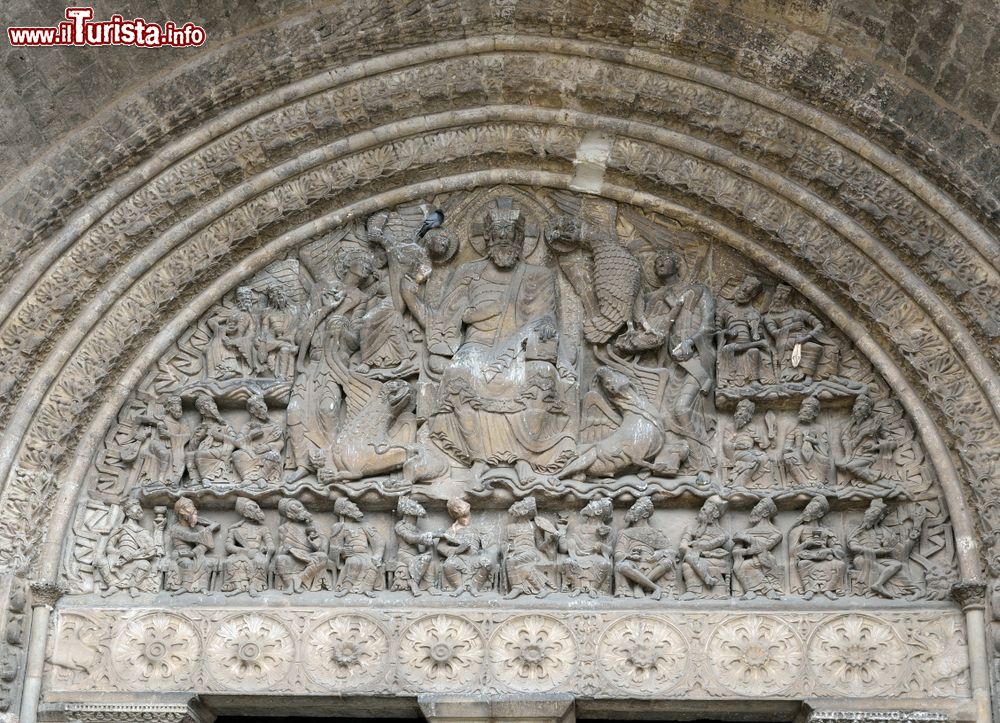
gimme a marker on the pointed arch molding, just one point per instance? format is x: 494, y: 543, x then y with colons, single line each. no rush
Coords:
x: 889, y: 258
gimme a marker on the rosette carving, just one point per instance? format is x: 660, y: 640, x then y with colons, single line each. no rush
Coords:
x: 755, y: 655
x: 857, y: 655
x: 642, y: 654
x: 250, y: 651
x: 159, y: 651
x: 346, y: 650
x: 442, y: 653
x: 532, y: 653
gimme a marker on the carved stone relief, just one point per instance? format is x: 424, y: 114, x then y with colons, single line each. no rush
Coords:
x: 513, y: 395
x: 607, y: 653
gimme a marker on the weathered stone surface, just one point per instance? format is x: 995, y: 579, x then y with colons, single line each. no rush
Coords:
x: 707, y: 312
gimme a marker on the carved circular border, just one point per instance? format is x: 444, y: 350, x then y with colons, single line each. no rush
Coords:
x: 755, y: 655
x: 160, y: 649
x: 344, y: 651
x: 532, y: 653
x: 249, y: 651
x: 642, y: 654
x: 856, y: 655
x: 442, y: 653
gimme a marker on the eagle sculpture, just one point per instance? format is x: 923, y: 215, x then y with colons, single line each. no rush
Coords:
x: 605, y: 275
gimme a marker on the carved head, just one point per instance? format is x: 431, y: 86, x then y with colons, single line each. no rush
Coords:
x: 293, y: 509
x: 257, y: 406
x: 440, y: 245
x: 711, y: 510
x: 526, y: 508
x: 641, y: 510
x: 599, y: 508
x: 345, y: 508
x: 277, y: 296
x: 665, y: 265
x: 863, y: 407
x: 763, y: 510
x: 744, y: 413
x: 817, y: 507
x: 809, y: 410
x: 245, y: 298
x: 172, y: 405
x: 249, y: 509
x: 615, y: 384
x: 876, y: 512
x: 504, y: 234
x: 409, y: 507
x: 563, y: 233
x: 132, y: 509
x: 398, y: 394
x: 460, y: 510
x: 187, y: 513
x: 357, y: 263
x: 747, y: 290
x: 207, y: 408
x: 779, y: 302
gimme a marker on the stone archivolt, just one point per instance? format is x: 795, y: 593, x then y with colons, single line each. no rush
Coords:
x: 513, y: 393
x: 635, y: 407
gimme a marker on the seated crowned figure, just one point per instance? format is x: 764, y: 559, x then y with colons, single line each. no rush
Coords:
x: 494, y: 339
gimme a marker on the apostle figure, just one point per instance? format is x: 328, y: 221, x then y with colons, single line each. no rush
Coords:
x: 746, y: 450
x: 230, y: 351
x: 249, y: 548
x: 127, y: 558
x: 258, y: 459
x: 704, y: 554
x: 806, y: 451
x: 414, y: 553
x: 470, y: 561
x: 188, y: 567
x: 880, y: 554
x: 302, y: 560
x: 275, y: 346
x: 359, y: 549
x: 643, y: 555
x: 529, y: 540
x: 587, y: 568
x: 802, y: 349
x: 211, y: 446
x: 817, y: 556
x: 755, y: 566
x: 744, y: 355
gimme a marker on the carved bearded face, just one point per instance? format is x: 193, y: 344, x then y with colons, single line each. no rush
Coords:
x: 173, y: 407
x: 809, y: 410
x: 744, y: 413
x: 133, y: 510
x: 187, y: 513
x: 504, y: 242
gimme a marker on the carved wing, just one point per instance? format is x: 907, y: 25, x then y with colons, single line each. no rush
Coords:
x: 600, y: 419
x: 650, y: 230
x: 320, y: 257
x: 617, y: 282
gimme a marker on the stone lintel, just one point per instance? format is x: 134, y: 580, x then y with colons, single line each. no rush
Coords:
x: 540, y: 709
